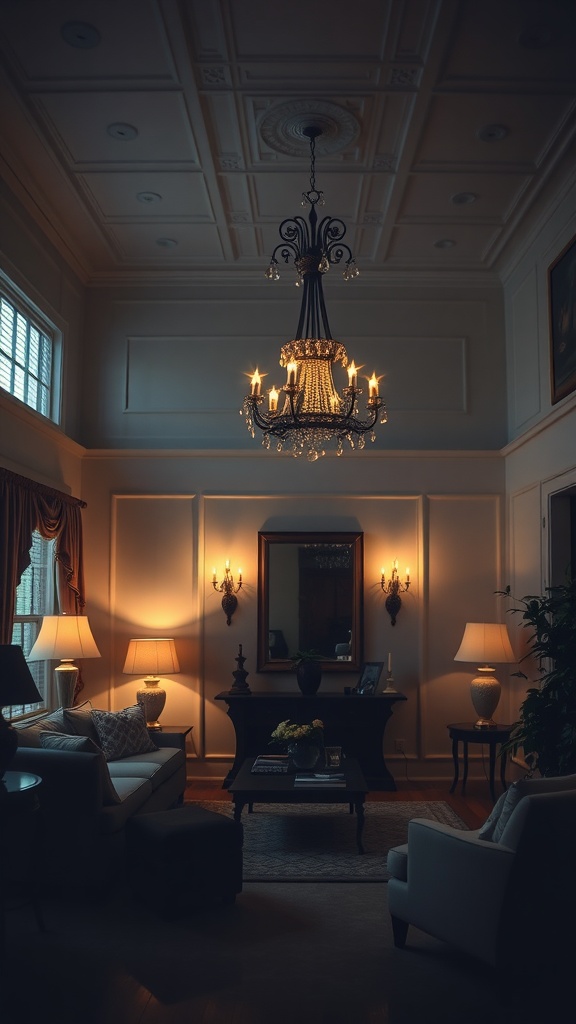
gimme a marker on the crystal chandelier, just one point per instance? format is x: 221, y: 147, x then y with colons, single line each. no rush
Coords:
x: 314, y: 413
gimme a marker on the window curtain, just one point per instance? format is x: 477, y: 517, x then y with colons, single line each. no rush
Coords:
x: 26, y: 506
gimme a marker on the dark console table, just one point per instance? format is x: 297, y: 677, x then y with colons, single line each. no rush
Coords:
x: 355, y: 722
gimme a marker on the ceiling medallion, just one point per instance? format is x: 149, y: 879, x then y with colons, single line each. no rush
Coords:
x: 284, y: 127
x: 314, y: 413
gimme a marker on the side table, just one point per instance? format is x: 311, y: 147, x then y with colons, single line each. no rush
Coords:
x: 19, y: 844
x: 466, y: 733
x: 171, y: 735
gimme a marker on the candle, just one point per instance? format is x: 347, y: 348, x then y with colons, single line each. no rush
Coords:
x: 352, y: 375
x: 239, y: 575
x: 256, y: 382
x: 291, y: 368
x: 213, y: 575
x: 407, y: 575
x: 389, y: 662
x: 273, y: 399
x: 373, y: 385
x: 227, y: 565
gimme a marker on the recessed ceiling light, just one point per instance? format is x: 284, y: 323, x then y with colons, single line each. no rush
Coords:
x: 123, y: 132
x: 444, y: 243
x: 80, y: 34
x: 464, y: 198
x: 493, y: 132
x: 166, y: 243
x: 148, y: 197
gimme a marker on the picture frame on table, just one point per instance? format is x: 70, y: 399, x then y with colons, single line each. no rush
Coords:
x: 369, y: 677
x: 562, y: 313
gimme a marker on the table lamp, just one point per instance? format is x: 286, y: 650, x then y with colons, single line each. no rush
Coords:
x: 482, y: 643
x: 150, y: 657
x: 66, y: 637
x: 16, y: 687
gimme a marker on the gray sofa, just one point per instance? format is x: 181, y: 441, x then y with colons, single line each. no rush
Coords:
x: 83, y: 818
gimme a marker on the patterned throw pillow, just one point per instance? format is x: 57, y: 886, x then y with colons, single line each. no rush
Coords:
x: 61, y: 741
x: 123, y: 733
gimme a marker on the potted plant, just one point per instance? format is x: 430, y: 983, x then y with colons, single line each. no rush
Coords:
x: 546, y: 730
x: 308, y: 671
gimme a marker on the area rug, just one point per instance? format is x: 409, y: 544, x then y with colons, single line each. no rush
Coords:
x: 317, y: 842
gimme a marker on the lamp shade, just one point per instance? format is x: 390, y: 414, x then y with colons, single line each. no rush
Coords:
x: 152, y: 657
x: 16, y: 683
x: 485, y: 642
x: 64, y: 636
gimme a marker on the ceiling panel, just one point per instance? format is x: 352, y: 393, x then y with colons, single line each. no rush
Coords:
x: 219, y: 93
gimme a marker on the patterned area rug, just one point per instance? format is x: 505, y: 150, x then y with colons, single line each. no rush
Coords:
x: 317, y: 842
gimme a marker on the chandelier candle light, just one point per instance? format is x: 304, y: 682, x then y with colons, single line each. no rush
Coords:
x: 313, y: 412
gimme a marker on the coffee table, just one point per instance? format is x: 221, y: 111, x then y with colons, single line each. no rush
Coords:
x: 280, y: 789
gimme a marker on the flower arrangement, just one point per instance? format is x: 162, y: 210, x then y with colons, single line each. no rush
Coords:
x: 288, y: 732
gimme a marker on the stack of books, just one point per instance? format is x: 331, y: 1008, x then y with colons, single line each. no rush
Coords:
x: 270, y: 764
x: 320, y: 779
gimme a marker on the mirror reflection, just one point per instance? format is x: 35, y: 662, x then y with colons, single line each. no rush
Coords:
x: 310, y: 599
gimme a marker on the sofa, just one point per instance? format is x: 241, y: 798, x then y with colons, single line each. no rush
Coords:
x: 98, y: 769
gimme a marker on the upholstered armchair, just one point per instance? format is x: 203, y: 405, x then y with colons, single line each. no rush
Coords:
x: 502, y: 892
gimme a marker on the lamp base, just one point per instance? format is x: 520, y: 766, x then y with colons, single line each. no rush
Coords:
x: 152, y: 699
x: 8, y: 743
x: 485, y: 692
x: 66, y: 676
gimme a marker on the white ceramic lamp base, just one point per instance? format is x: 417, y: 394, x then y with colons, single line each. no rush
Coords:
x: 152, y: 699
x: 485, y: 693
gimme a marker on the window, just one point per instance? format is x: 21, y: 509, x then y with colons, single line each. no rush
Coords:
x: 26, y: 358
x: 35, y: 598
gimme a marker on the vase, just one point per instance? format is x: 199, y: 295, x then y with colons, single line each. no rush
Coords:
x: 309, y: 676
x: 304, y: 755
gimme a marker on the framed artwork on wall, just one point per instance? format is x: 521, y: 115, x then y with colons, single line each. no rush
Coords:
x: 562, y: 310
x: 369, y: 677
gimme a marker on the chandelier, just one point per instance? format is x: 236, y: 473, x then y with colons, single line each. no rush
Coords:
x: 313, y: 413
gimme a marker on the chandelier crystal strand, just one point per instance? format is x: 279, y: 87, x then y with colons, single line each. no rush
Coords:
x: 314, y: 414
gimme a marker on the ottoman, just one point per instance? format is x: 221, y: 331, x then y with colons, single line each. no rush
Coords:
x: 184, y: 858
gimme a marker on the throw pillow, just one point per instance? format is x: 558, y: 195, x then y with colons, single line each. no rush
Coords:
x: 78, y: 721
x: 29, y: 735
x: 55, y: 741
x: 123, y: 733
x: 495, y: 824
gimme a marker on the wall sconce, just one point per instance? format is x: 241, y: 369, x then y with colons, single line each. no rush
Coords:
x: 393, y: 588
x: 229, y: 590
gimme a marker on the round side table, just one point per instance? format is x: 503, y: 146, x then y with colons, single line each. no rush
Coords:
x: 19, y: 830
x: 466, y: 732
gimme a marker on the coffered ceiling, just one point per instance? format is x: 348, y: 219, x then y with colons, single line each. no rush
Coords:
x: 165, y: 138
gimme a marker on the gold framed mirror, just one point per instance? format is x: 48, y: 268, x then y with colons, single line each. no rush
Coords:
x: 310, y: 597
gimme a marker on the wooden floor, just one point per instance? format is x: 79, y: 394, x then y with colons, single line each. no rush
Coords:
x: 473, y: 808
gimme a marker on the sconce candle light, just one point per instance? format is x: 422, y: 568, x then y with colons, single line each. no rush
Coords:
x: 393, y: 588
x: 228, y: 589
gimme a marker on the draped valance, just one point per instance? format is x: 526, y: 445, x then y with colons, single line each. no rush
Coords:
x: 25, y: 506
